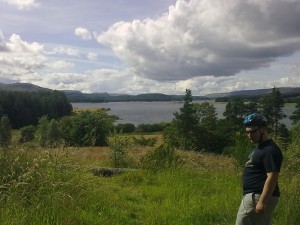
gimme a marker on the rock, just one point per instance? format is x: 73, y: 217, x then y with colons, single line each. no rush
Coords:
x: 107, y: 171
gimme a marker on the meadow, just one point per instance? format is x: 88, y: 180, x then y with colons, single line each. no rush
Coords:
x: 41, y: 186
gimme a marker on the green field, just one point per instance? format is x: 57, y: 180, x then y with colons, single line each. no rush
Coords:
x: 54, y: 186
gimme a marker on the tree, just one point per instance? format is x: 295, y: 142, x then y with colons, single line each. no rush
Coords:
x: 25, y: 108
x: 53, y: 134
x: 184, y: 127
x: 87, y: 128
x: 272, y: 108
x: 207, y: 115
x: 235, y: 112
x: 5, y: 132
x: 42, y: 131
x: 295, y: 117
x: 1, y: 112
x: 27, y: 133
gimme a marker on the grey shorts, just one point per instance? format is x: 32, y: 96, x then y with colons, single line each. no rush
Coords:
x: 247, y: 215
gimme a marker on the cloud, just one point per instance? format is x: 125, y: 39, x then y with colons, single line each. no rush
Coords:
x: 21, y: 4
x: 66, y: 51
x: 20, y: 58
x: 92, y: 56
x: 83, y: 33
x: 207, y: 37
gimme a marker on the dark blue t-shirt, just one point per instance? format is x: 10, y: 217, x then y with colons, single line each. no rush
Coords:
x: 265, y: 158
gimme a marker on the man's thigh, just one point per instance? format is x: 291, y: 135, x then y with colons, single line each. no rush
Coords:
x: 247, y: 215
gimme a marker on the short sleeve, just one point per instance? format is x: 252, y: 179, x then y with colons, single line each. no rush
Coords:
x: 272, y: 160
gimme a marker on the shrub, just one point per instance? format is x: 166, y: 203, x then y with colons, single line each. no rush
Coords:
x: 148, y: 128
x: 162, y: 157
x: 26, y: 134
x: 5, y: 132
x: 292, y: 155
x: 119, y: 146
x: 125, y: 128
x: 240, y: 151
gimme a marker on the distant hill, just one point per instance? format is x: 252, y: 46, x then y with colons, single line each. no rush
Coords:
x: 77, y: 96
x: 22, y: 87
x: 257, y: 92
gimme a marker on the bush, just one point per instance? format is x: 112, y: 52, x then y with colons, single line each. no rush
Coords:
x: 119, y: 146
x: 240, y: 151
x: 292, y: 155
x: 5, y: 132
x: 162, y: 157
x: 26, y: 134
x: 149, y: 128
x: 125, y: 128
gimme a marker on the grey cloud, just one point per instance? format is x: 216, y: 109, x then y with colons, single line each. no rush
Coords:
x: 201, y: 37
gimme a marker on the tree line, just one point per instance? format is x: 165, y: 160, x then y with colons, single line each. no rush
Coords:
x: 194, y: 127
x: 25, y: 108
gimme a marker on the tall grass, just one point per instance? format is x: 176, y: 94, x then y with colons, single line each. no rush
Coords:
x: 54, y: 187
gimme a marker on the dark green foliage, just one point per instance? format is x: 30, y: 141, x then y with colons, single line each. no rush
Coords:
x: 87, y: 128
x: 240, y: 150
x: 196, y: 127
x: 162, y: 157
x: 149, y: 128
x: 5, y: 132
x: 295, y: 117
x: 292, y: 155
x: 271, y: 107
x: 119, y: 146
x: 125, y: 128
x: 42, y: 130
x: 1, y: 112
x: 210, y: 136
x: 25, y: 108
x: 27, y: 134
x: 235, y: 113
x: 54, y: 136
x: 184, y: 127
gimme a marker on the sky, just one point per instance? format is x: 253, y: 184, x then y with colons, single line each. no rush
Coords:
x: 151, y: 46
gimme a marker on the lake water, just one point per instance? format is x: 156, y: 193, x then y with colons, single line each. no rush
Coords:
x: 155, y: 112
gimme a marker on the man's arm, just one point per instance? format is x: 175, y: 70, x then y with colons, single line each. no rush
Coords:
x: 268, y: 190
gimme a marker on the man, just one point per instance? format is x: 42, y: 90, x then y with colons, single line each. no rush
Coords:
x: 260, y: 177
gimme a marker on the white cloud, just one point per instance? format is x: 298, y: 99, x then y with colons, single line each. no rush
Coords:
x: 20, y: 58
x: 207, y: 37
x: 66, y: 51
x: 59, y: 65
x: 22, y: 4
x: 92, y: 56
x: 83, y: 33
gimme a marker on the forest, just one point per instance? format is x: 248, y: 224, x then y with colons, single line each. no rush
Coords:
x: 25, y: 108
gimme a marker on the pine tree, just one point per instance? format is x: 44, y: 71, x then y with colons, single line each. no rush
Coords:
x: 5, y: 132
x: 184, y: 126
x: 272, y: 108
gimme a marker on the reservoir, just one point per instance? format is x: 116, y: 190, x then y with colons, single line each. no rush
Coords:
x: 155, y: 112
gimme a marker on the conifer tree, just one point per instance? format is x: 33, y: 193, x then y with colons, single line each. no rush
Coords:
x: 272, y: 108
x: 5, y: 132
x: 183, y: 129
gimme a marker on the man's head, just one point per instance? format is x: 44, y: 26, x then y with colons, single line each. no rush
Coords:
x: 256, y: 128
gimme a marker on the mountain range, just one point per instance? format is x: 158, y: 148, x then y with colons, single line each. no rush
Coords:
x: 77, y: 96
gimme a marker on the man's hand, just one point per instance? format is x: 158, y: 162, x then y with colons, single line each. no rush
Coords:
x: 260, y: 207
